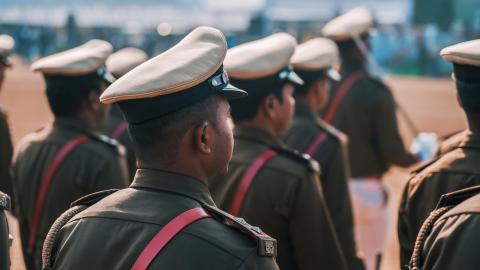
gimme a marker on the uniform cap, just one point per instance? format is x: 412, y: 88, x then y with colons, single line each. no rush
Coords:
x: 318, y: 54
x: 465, y: 53
x: 355, y: 22
x: 124, y: 60
x: 263, y: 58
x: 465, y: 57
x: 6, y: 45
x: 187, y: 73
x: 85, y: 59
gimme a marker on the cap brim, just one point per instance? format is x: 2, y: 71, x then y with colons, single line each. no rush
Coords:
x: 108, y: 77
x: 334, y: 75
x: 232, y: 92
x: 294, y: 78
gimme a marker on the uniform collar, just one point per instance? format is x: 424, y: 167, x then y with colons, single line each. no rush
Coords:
x: 73, y: 124
x: 257, y: 135
x: 173, y: 183
x: 303, y: 111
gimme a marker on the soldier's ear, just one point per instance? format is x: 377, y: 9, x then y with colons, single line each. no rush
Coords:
x: 203, y: 138
x: 269, y: 106
x: 94, y: 100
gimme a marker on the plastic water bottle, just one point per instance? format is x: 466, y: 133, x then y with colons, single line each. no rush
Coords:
x: 425, y: 145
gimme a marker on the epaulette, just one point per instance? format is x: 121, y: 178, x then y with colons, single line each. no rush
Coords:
x: 456, y: 197
x: 112, y: 143
x: 267, y: 246
x: 5, y: 202
x: 93, y: 198
x: 301, y: 157
x: 334, y: 132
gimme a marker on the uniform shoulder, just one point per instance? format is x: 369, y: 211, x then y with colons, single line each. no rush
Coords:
x: 458, y: 197
x: 266, y: 246
x: 294, y: 157
x: 105, y: 146
x: 333, y: 132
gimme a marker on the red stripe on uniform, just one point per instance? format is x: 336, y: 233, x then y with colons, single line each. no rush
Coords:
x: 319, y: 140
x: 121, y: 128
x: 342, y: 90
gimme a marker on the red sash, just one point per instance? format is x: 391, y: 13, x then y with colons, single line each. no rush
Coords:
x: 247, y: 181
x: 342, y: 90
x: 319, y: 140
x: 66, y: 149
x: 167, y: 233
x: 119, y: 130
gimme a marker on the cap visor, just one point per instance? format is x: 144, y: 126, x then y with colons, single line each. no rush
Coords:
x: 232, y: 92
x: 334, y: 75
x: 294, y: 78
x: 108, y: 77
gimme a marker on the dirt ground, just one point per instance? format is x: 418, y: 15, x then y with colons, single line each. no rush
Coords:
x: 430, y: 103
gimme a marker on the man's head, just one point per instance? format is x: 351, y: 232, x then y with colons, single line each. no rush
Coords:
x: 465, y: 57
x: 6, y: 45
x: 313, y: 61
x: 351, y: 30
x: 75, y: 79
x: 177, y: 109
x: 262, y: 68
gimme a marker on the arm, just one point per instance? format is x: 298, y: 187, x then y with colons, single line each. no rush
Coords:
x: 6, y: 152
x: 315, y: 243
x: 389, y: 143
x: 404, y: 237
x: 256, y: 262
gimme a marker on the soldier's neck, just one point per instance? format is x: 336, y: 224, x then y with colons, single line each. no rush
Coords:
x: 262, y: 124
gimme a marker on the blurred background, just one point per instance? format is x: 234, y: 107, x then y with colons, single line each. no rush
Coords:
x: 408, y: 37
x: 409, y: 33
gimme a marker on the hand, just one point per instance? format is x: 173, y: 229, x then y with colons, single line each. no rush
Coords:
x: 425, y: 145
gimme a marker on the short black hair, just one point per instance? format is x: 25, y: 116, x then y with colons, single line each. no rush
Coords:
x: 159, y: 138
x: 309, y: 78
x: 66, y: 94
x: 247, y: 108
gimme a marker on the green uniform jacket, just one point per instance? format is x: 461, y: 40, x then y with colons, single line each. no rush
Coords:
x: 453, y: 171
x: 95, y: 165
x: 332, y: 156
x: 285, y: 199
x: 6, y: 152
x: 112, y: 233
x: 454, y: 241
x: 367, y: 114
x: 113, y: 123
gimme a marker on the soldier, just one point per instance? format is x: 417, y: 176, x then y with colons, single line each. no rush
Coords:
x: 449, y: 237
x: 6, y: 148
x: 268, y: 184
x: 66, y: 159
x: 179, y: 121
x: 118, y: 64
x: 363, y: 107
x: 313, y: 61
x: 454, y: 170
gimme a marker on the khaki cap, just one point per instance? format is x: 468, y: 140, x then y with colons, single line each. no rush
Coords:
x: 87, y: 58
x: 187, y: 73
x: 315, y: 55
x: 262, y: 58
x: 124, y: 60
x: 355, y: 22
x: 465, y: 53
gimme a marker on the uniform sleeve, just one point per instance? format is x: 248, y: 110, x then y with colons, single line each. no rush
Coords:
x: 6, y: 152
x: 335, y: 177
x: 453, y: 244
x: 404, y: 237
x: 389, y: 143
x: 315, y: 243
x: 113, y: 174
x: 256, y: 262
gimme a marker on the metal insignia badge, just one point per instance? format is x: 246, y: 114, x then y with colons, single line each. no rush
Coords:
x: 270, y: 248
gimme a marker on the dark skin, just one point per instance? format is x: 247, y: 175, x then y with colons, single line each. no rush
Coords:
x: 92, y: 111
x: 204, y: 150
x: 317, y: 95
x: 274, y: 116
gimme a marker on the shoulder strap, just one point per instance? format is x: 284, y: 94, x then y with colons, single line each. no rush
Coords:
x: 119, y: 130
x: 66, y: 149
x: 342, y: 90
x: 317, y: 142
x: 247, y: 180
x: 163, y: 237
